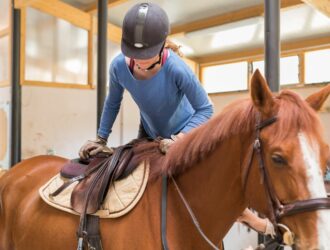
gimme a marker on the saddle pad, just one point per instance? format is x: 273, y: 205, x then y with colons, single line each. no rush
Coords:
x: 122, y: 196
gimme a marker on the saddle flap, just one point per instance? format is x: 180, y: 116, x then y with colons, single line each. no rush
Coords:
x: 89, y: 194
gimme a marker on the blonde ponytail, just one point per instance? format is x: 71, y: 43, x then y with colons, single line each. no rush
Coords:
x: 176, y: 48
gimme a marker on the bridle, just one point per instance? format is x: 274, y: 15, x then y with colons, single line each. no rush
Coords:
x: 278, y: 210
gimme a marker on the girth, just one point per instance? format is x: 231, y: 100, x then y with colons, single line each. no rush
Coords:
x: 277, y: 208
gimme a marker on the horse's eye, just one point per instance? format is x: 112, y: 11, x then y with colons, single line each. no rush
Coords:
x: 278, y: 159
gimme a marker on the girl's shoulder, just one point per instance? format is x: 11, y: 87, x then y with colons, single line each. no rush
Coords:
x: 117, y: 63
x: 119, y: 59
x: 176, y: 65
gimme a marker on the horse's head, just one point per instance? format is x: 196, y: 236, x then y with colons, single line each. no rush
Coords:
x: 295, y: 157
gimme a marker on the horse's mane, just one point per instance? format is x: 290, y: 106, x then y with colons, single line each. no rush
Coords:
x: 236, y: 118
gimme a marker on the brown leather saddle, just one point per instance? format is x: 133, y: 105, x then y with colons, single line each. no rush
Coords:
x: 95, y: 177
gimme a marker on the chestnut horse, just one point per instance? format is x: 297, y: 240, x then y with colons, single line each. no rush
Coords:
x: 208, y: 165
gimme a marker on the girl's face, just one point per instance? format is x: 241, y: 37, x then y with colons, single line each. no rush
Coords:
x: 146, y: 63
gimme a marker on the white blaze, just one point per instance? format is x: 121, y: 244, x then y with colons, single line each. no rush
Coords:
x: 310, y: 152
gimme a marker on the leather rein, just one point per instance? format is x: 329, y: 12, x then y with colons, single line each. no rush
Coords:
x: 278, y: 209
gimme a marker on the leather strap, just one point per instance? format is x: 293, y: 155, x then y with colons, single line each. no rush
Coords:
x: 163, y: 212
x: 67, y: 184
x: 304, y: 206
x: 277, y: 209
x: 193, y: 217
x: 93, y: 231
x: 107, y: 169
x: 162, y: 60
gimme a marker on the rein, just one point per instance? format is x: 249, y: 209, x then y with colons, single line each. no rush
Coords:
x: 277, y: 208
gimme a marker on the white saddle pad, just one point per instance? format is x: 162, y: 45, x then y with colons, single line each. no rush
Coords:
x: 122, y: 196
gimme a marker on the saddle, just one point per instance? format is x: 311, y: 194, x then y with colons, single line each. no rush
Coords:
x: 95, y: 177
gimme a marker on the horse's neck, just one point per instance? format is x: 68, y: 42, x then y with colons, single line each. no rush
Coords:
x: 213, y: 189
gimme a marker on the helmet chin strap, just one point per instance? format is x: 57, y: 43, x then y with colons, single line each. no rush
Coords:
x: 154, y: 64
x: 151, y: 66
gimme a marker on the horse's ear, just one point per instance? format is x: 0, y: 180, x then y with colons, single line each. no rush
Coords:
x: 317, y: 99
x: 261, y: 95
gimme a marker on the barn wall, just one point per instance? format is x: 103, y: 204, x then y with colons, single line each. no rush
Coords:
x: 58, y: 121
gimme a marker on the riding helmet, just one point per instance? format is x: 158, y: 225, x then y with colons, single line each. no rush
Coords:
x: 145, y: 28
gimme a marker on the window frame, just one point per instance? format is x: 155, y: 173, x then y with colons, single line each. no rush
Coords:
x: 252, y: 58
x: 7, y: 31
x: 90, y: 30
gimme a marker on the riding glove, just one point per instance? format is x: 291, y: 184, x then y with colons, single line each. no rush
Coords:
x: 93, y: 147
x: 165, y: 144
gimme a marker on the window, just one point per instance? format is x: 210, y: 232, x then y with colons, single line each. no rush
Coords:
x: 4, y: 17
x: 227, y: 77
x: 55, y: 51
x: 5, y: 42
x: 4, y: 58
x: 314, y: 73
x: 113, y: 50
x: 289, y: 69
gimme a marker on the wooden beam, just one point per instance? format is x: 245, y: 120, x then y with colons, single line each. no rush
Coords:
x: 22, y: 45
x: 4, y: 32
x: 24, y: 3
x: 230, y: 17
x: 74, y: 16
x: 90, y: 74
x: 114, y: 32
x: 258, y: 53
x: 58, y: 85
x: 111, y: 3
x: 64, y: 11
x: 301, y: 57
x: 321, y: 5
x: 4, y: 83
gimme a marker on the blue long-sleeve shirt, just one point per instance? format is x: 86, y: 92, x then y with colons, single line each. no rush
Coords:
x: 170, y: 102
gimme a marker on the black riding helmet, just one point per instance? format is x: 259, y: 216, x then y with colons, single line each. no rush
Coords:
x: 145, y: 28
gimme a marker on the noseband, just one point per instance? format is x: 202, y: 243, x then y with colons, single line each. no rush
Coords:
x: 278, y: 210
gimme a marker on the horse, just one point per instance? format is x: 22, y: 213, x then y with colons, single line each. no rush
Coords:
x: 216, y: 171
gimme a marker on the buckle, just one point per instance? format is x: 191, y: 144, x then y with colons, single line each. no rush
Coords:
x: 80, y: 243
x: 256, y: 144
x: 288, y: 235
